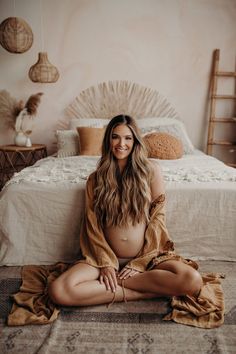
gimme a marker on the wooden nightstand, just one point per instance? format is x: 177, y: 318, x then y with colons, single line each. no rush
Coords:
x: 14, y: 158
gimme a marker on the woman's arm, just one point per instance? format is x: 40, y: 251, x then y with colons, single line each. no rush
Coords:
x: 95, y: 249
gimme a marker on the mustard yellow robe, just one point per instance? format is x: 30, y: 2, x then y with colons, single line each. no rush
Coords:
x: 205, y: 310
x: 97, y: 252
x: 32, y: 303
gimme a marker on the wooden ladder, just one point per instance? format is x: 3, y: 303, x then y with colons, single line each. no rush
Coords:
x: 213, y: 120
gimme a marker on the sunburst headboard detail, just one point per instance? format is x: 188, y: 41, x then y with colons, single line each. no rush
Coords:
x: 111, y: 98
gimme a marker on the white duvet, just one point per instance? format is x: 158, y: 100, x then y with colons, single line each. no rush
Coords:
x: 41, y: 209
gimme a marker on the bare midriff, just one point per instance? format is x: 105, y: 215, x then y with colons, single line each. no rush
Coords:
x: 127, y: 241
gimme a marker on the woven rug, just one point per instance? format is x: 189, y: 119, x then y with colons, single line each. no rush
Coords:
x: 135, y: 327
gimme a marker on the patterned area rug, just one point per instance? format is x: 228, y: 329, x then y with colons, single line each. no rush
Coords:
x: 135, y: 327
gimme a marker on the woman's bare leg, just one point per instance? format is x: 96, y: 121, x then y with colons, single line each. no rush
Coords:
x: 168, y: 278
x: 79, y: 286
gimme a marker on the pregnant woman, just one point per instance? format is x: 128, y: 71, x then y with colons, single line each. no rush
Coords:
x: 127, y: 253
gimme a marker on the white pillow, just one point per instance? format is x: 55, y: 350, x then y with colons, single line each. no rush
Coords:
x: 171, y: 126
x: 88, y: 122
x: 67, y: 143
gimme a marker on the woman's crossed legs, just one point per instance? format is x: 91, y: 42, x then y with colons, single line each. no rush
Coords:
x: 79, y: 285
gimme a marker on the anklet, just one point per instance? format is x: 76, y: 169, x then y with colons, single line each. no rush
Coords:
x: 114, y: 295
x: 123, y: 290
x: 112, y: 301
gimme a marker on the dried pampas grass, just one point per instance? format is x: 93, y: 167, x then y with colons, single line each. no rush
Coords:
x: 10, y: 108
x: 32, y: 103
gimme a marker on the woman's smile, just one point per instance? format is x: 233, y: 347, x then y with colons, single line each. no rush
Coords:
x: 120, y: 149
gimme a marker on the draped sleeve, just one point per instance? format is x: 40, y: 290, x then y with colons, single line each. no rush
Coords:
x: 157, y: 241
x: 94, y: 247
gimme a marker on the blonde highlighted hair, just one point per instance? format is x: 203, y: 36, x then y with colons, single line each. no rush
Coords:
x: 124, y: 198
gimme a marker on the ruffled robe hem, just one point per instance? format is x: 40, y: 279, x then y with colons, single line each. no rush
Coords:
x: 32, y: 304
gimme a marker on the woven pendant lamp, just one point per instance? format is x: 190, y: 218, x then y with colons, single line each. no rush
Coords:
x: 43, y: 71
x: 16, y: 35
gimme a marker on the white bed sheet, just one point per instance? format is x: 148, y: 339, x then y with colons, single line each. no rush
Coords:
x: 41, y: 209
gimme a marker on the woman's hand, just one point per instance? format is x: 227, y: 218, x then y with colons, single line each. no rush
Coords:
x: 108, y: 277
x: 127, y: 273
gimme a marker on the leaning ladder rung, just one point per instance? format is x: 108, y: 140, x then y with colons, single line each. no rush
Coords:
x: 226, y: 143
x: 224, y: 96
x: 223, y: 120
x: 226, y: 73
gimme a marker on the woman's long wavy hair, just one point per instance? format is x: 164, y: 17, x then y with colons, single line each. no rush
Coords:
x: 122, y: 198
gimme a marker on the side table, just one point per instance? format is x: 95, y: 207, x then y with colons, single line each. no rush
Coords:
x: 14, y: 158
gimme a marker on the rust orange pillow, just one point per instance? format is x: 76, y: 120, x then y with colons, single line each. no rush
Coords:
x: 163, y: 146
x: 90, y: 140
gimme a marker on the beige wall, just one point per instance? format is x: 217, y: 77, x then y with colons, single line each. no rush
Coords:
x: 166, y: 45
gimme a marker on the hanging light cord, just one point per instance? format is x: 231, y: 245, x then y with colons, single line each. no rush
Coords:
x: 14, y: 8
x: 41, y: 20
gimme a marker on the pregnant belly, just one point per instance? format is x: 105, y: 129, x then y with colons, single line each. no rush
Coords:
x: 126, y: 242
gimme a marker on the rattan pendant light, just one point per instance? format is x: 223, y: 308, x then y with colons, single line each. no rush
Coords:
x: 16, y: 35
x: 43, y: 71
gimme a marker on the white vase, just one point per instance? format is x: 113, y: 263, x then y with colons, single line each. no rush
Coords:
x: 28, y: 142
x: 20, y: 139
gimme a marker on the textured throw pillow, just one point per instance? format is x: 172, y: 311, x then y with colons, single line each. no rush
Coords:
x: 67, y: 143
x: 90, y: 140
x: 88, y: 122
x: 163, y: 146
x: 168, y: 125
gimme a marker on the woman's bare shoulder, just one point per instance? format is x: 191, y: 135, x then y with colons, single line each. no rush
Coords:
x: 155, y: 168
x: 90, y: 183
x: 157, y: 183
x: 91, y: 177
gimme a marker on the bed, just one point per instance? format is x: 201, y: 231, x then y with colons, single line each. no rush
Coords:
x: 42, y: 207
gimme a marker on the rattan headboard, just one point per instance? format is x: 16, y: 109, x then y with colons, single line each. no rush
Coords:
x: 111, y: 98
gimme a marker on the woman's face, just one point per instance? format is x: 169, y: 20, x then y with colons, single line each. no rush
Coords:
x: 122, y: 142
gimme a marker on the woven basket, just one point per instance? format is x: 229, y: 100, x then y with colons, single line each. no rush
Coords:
x: 16, y: 35
x: 43, y: 70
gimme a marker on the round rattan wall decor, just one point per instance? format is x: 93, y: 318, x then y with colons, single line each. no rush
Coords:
x: 16, y: 35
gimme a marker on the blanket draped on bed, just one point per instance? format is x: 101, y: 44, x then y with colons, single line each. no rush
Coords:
x: 33, y: 305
